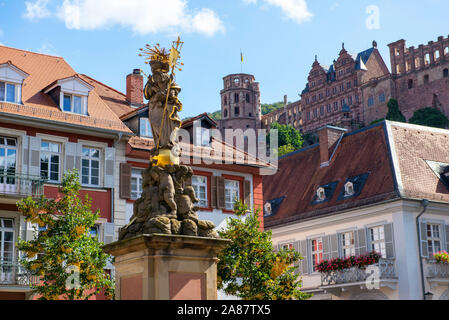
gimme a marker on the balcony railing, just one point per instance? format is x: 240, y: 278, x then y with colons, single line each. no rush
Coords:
x: 21, y: 185
x: 386, y: 270
x: 12, y: 273
x: 437, y: 270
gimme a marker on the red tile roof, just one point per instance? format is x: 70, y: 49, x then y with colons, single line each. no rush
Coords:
x: 44, y: 70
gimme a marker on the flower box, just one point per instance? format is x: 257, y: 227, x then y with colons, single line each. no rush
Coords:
x: 360, y: 262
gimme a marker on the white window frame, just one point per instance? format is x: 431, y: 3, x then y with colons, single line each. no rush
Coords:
x: 136, y: 174
x: 349, y: 189
x: 318, y: 252
x: 377, y: 240
x: 8, y: 147
x: 197, y: 185
x: 433, y: 238
x: 347, y: 243
x: 91, y: 159
x: 72, y: 103
x: 229, y: 205
x: 144, y: 123
x: 49, y: 154
x: 17, y: 92
x: 3, y: 230
x: 321, y: 194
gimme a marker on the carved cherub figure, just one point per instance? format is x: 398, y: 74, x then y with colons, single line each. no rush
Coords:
x: 166, y: 188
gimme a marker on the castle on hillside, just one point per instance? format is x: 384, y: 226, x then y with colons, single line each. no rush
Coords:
x: 350, y: 93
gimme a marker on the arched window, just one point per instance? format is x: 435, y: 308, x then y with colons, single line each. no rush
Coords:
x: 225, y: 101
x: 247, y: 98
x: 427, y: 59
x: 381, y: 97
x: 236, y: 81
x: 417, y: 63
x: 225, y: 113
x: 236, y: 97
x: 370, y: 101
x: 410, y: 83
x: 436, y: 55
x: 445, y: 73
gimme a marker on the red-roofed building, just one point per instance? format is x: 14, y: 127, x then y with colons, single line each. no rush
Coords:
x: 366, y: 191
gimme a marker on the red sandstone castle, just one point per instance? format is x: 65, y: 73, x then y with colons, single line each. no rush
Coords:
x: 350, y: 93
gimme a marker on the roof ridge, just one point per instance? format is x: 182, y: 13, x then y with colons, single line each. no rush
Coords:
x: 38, y: 53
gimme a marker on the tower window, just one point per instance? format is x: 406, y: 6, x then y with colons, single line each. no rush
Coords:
x: 426, y: 78
x: 236, y: 97
x: 445, y: 73
x: 225, y: 101
x: 225, y: 113
x: 236, y: 111
x: 236, y: 81
x: 370, y: 101
x: 410, y: 83
x: 247, y: 98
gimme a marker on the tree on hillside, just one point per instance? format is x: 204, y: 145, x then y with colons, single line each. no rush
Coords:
x: 394, y: 114
x: 270, y: 107
x: 67, y: 258
x: 430, y: 117
x: 249, y: 267
x: 287, y: 136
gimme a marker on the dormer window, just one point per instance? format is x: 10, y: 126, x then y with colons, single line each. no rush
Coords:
x: 320, y: 194
x: 145, y: 128
x: 11, y: 79
x: 349, y: 189
x: 70, y: 94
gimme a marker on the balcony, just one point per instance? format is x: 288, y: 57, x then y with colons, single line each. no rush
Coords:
x: 21, y: 186
x: 375, y: 276
x: 12, y: 274
x: 437, y: 273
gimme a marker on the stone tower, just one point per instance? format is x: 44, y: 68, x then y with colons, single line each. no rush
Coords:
x: 240, y: 103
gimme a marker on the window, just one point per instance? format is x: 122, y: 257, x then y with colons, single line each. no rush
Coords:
x: 348, y: 85
x: 436, y: 55
x: 95, y: 231
x: 287, y: 246
x: 445, y: 73
x: 433, y: 238
x: 9, y: 92
x: 377, y: 240
x: 225, y: 101
x: 320, y: 194
x: 317, y: 252
x: 136, y: 183
x: 322, y: 110
x: 335, y: 106
x: 225, y: 113
x: 315, y: 113
x: 350, y: 100
x: 145, y: 128
x: 370, y: 101
x: 90, y: 167
x: 328, y: 107
x: 308, y: 115
x: 247, y: 98
x: 8, y: 157
x: 382, y: 97
x: 236, y: 81
x: 236, y: 97
x: 410, y: 83
x: 72, y: 103
x: 232, y: 193
x: 50, y: 161
x: 426, y: 78
x: 6, y: 240
x: 427, y: 59
x: 349, y: 189
x: 236, y: 111
x: 417, y: 63
x: 347, y: 244
x: 199, y: 184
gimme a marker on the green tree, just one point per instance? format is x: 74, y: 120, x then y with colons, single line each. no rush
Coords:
x: 430, y: 117
x: 394, y: 114
x: 68, y: 260
x: 249, y: 268
x: 286, y: 149
x: 287, y: 135
x: 216, y: 115
x: 377, y: 121
x: 270, y: 107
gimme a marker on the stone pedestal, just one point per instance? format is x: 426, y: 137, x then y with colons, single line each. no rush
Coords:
x: 166, y: 267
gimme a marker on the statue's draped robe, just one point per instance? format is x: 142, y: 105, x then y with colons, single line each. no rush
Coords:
x: 165, y: 136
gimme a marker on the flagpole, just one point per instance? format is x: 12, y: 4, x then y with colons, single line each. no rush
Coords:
x: 241, y: 61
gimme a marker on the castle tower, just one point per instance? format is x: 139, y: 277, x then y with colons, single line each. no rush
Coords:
x: 240, y: 103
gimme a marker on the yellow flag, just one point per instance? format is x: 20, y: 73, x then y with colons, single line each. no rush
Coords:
x: 174, y: 54
x: 241, y: 56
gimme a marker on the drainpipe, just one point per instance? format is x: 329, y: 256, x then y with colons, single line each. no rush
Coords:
x: 424, y: 203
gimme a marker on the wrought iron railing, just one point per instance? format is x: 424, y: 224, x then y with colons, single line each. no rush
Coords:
x: 12, y: 273
x: 437, y: 270
x: 18, y: 185
x: 384, y: 269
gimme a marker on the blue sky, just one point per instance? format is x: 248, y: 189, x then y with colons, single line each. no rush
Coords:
x: 279, y: 38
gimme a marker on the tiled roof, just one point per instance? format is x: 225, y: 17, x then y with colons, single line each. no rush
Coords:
x: 299, y: 177
x: 388, y: 160
x: 44, y: 70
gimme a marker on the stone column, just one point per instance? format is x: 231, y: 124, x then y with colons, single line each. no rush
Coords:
x: 166, y: 267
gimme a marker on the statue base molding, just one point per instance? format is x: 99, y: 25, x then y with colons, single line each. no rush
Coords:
x: 166, y: 267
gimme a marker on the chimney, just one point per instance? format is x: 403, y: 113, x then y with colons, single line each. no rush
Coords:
x: 328, y: 137
x: 285, y: 100
x: 134, y: 88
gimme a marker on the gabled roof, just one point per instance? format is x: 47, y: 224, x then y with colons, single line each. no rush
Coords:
x: 386, y: 161
x: 43, y: 71
x: 362, y: 58
x: 203, y: 116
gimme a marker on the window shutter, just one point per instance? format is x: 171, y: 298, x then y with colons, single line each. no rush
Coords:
x: 361, y: 243
x: 326, y: 248
x: 303, y: 250
x: 25, y: 154
x: 296, y: 246
x: 333, y: 246
x: 108, y: 232
x: 35, y: 158
x: 447, y: 238
x: 213, y: 189
x: 221, y: 193
x: 389, y: 244
x: 109, y: 167
x: 22, y: 228
x: 125, y: 180
x: 247, y: 193
x: 424, y: 247
x: 79, y: 153
x: 31, y: 231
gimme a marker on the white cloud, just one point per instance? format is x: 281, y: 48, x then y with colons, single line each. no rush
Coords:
x: 295, y: 10
x: 47, y: 48
x: 141, y: 16
x: 36, y: 10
